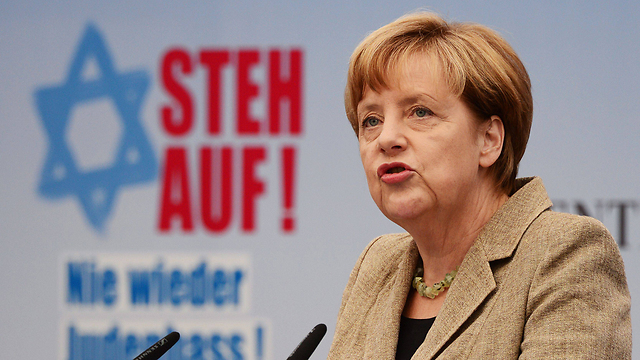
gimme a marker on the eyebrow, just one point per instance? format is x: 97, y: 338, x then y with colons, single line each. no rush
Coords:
x: 404, y: 102
x: 415, y: 98
x: 367, y: 107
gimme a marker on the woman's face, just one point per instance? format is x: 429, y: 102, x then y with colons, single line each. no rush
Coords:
x: 420, y: 145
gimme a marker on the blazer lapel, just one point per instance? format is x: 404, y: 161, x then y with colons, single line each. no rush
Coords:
x: 471, y: 287
x: 475, y: 280
x: 390, y: 310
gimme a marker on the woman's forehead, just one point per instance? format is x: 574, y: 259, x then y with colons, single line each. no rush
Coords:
x: 399, y: 69
x: 405, y: 74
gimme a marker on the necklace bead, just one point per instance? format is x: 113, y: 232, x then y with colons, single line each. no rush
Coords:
x: 432, y: 291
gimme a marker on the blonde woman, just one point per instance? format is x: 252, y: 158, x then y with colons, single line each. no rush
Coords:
x: 442, y: 112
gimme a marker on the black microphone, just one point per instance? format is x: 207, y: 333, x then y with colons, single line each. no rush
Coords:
x: 309, y: 344
x: 155, y: 351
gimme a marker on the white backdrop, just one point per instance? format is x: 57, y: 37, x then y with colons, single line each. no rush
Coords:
x: 68, y: 266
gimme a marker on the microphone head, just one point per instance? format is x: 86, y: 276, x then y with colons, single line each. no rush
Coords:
x: 155, y: 351
x: 309, y: 344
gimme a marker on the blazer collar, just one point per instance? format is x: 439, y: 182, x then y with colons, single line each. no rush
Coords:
x: 502, y: 233
x: 391, y: 308
x: 475, y: 280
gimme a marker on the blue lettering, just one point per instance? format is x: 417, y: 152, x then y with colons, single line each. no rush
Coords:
x: 236, y: 287
x: 236, y: 346
x: 259, y: 345
x: 216, y: 341
x: 197, y: 348
x: 87, y: 285
x: 110, y: 293
x: 95, y: 346
x: 74, y: 287
x: 112, y: 349
x: 89, y: 345
x: 139, y: 281
x: 74, y: 348
x: 131, y: 346
x: 219, y: 285
x: 198, y: 285
x: 114, y: 344
x: 177, y: 287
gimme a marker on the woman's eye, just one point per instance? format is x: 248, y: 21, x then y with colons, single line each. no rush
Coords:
x: 371, y: 121
x: 421, y: 112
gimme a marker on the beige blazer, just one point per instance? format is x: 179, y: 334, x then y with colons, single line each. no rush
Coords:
x: 535, y: 285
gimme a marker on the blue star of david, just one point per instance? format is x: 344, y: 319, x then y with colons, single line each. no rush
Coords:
x: 135, y: 161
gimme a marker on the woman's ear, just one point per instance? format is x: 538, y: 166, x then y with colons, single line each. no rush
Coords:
x: 492, y: 141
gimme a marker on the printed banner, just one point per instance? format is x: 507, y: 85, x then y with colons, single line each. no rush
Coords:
x: 170, y: 166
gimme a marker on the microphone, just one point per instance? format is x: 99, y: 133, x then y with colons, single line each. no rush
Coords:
x: 155, y: 351
x: 309, y: 344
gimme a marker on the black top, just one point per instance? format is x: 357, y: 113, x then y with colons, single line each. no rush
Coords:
x: 411, y: 336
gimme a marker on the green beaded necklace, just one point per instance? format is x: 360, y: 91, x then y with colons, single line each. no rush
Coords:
x: 432, y: 291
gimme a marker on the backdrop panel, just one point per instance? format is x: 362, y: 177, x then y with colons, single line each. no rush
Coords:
x: 190, y: 167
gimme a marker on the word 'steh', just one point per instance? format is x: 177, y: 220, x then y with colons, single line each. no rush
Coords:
x: 283, y: 88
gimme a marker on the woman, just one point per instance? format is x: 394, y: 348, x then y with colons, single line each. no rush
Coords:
x: 442, y: 113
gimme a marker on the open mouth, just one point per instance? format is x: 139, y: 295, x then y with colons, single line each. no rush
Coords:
x: 392, y: 168
x: 395, y: 170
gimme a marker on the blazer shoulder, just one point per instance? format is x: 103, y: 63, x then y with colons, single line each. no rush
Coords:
x: 387, y: 249
x: 381, y: 258
x: 568, y: 227
x: 556, y: 236
x: 554, y: 217
x: 578, y: 288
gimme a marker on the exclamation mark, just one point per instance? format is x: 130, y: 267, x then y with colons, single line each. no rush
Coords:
x: 259, y: 343
x: 288, y: 188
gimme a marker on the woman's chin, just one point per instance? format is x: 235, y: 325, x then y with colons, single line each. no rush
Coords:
x: 403, y: 213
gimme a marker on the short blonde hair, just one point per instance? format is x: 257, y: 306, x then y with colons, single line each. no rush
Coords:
x: 479, y: 66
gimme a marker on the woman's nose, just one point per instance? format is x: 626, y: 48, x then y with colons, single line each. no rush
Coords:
x: 392, y: 137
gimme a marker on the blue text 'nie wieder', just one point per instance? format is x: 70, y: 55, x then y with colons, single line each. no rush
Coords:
x: 157, y: 286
